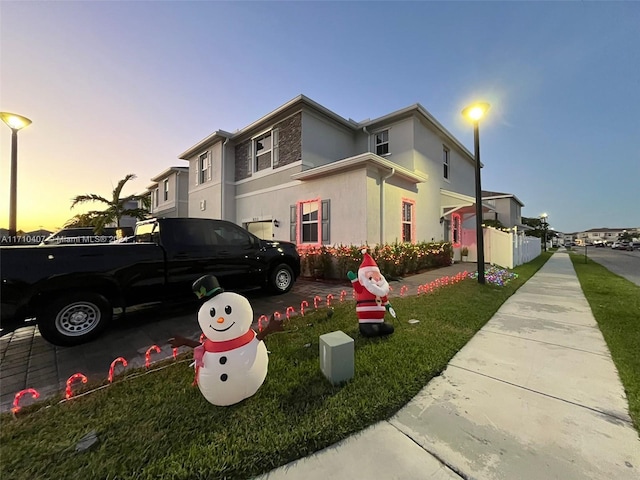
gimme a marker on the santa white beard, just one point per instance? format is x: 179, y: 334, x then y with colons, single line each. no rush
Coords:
x: 379, y: 288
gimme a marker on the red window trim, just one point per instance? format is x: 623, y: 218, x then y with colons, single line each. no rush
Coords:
x: 299, y: 242
x: 455, y: 218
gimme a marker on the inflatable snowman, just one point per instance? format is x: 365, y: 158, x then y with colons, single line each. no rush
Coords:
x: 231, y: 364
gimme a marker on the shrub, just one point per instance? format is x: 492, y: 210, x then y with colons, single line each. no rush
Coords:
x: 396, y: 259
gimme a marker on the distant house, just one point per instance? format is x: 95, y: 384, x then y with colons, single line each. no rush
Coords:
x: 170, y: 193
x: 608, y: 235
x: 304, y: 173
x: 506, y: 208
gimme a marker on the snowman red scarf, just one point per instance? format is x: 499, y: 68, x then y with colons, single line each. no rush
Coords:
x: 219, y: 347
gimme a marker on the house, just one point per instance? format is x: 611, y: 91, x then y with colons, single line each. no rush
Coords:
x: 304, y: 173
x: 608, y: 235
x: 506, y: 208
x: 170, y: 193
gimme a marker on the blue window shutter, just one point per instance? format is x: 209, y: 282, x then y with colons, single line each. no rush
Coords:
x: 293, y: 222
x: 325, y: 221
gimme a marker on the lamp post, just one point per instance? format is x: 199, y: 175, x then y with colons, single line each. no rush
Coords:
x: 475, y: 112
x: 544, y: 217
x: 15, y: 123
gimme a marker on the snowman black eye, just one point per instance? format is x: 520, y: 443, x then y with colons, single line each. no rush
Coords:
x: 212, y: 312
x: 227, y: 309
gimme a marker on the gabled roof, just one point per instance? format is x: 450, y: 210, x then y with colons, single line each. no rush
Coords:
x: 302, y: 100
x: 487, y: 195
x: 168, y: 172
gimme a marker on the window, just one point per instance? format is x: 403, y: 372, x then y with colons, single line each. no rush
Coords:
x: 408, y: 226
x: 382, y: 142
x: 204, y: 170
x: 262, y: 152
x: 309, y: 220
x: 166, y: 189
x: 313, y: 224
x: 445, y: 162
x: 156, y: 196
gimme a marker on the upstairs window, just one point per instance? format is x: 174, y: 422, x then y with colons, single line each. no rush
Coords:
x: 166, y: 189
x: 156, y: 196
x: 265, y: 150
x: 445, y: 162
x: 382, y: 142
x: 204, y: 168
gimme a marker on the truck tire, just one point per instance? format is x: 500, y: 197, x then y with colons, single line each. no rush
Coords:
x: 281, y: 279
x: 74, y: 319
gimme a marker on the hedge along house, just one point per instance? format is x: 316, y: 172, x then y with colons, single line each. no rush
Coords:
x: 305, y: 174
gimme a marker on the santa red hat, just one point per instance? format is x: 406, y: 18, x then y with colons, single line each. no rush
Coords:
x: 367, y: 261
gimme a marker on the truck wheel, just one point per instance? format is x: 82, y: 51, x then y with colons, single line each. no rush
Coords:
x: 74, y: 319
x: 281, y: 279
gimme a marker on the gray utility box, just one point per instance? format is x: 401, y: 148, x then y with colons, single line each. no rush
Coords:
x: 337, y: 356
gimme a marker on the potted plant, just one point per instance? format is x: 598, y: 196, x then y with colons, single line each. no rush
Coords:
x: 464, y: 253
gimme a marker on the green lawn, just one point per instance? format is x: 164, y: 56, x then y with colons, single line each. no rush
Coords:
x: 159, y: 426
x: 615, y: 303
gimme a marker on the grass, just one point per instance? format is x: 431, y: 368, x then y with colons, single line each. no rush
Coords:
x: 615, y: 303
x: 159, y: 426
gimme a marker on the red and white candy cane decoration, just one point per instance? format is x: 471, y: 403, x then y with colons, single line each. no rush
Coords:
x: 16, y: 400
x: 113, y: 366
x: 329, y: 298
x: 403, y: 290
x: 277, y: 315
x: 261, y: 320
x: 303, y: 304
x: 175, y: 353
x: 316, y: 300
x: 289, y: 311
x: 70, y: 380
x: 147, y: 356
x: 202, y: 337
x: 343, y: 294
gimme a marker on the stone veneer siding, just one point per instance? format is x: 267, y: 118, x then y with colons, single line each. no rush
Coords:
x: 289, y: 140
x: 289, y: 145
x: 243, y: 162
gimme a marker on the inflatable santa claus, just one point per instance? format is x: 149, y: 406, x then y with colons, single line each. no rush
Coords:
x: 372, y: 303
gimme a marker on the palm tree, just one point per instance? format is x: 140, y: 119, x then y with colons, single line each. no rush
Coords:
x: 116, y: 208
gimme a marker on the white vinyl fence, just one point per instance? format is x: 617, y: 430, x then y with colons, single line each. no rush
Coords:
x: 505, y: 249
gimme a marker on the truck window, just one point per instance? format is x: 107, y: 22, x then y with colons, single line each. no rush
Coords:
x: 231, y: 235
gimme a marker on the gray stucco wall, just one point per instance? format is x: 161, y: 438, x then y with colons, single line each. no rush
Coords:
x: 324, y: 141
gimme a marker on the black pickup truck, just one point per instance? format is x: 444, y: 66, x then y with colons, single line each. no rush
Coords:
x: 72, y: 290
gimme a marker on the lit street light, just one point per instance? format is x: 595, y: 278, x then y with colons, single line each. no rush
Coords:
x: 474, y: 113
x: 15, y: 123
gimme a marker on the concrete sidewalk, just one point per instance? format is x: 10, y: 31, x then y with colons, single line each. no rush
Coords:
x: 534, y: 395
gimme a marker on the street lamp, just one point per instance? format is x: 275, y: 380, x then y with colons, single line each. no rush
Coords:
x: 474, y: 113
x: 544, y: 217
x: 15, y: 123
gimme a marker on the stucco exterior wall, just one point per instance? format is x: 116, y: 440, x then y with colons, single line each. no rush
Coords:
x: 401, y: 141
x: 346, y: 191
x: 324, y: 141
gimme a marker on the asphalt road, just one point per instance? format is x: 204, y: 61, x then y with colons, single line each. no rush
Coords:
x: 621, y: 262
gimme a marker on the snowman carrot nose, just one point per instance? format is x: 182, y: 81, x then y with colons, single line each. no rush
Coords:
x: 220, y: 320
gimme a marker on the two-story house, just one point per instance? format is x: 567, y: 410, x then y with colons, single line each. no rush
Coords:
x: 170, y: 193
x: 304, y: 173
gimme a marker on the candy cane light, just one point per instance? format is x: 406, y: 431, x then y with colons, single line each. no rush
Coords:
x: 70, y: 380
x: 16, y: 400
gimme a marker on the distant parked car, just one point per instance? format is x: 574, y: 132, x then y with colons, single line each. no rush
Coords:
x: 615, y: 245
x: 599, y: 243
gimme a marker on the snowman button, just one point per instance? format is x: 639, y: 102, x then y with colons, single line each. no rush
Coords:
x: 223, y: 360
x: 224, y: 377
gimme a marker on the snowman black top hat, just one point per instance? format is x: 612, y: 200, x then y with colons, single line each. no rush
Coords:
x: 206, y: 286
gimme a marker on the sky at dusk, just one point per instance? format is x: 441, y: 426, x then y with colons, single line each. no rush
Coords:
x: 123, y: 87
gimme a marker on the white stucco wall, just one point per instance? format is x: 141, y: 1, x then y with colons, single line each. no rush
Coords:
x: 346, y: 191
